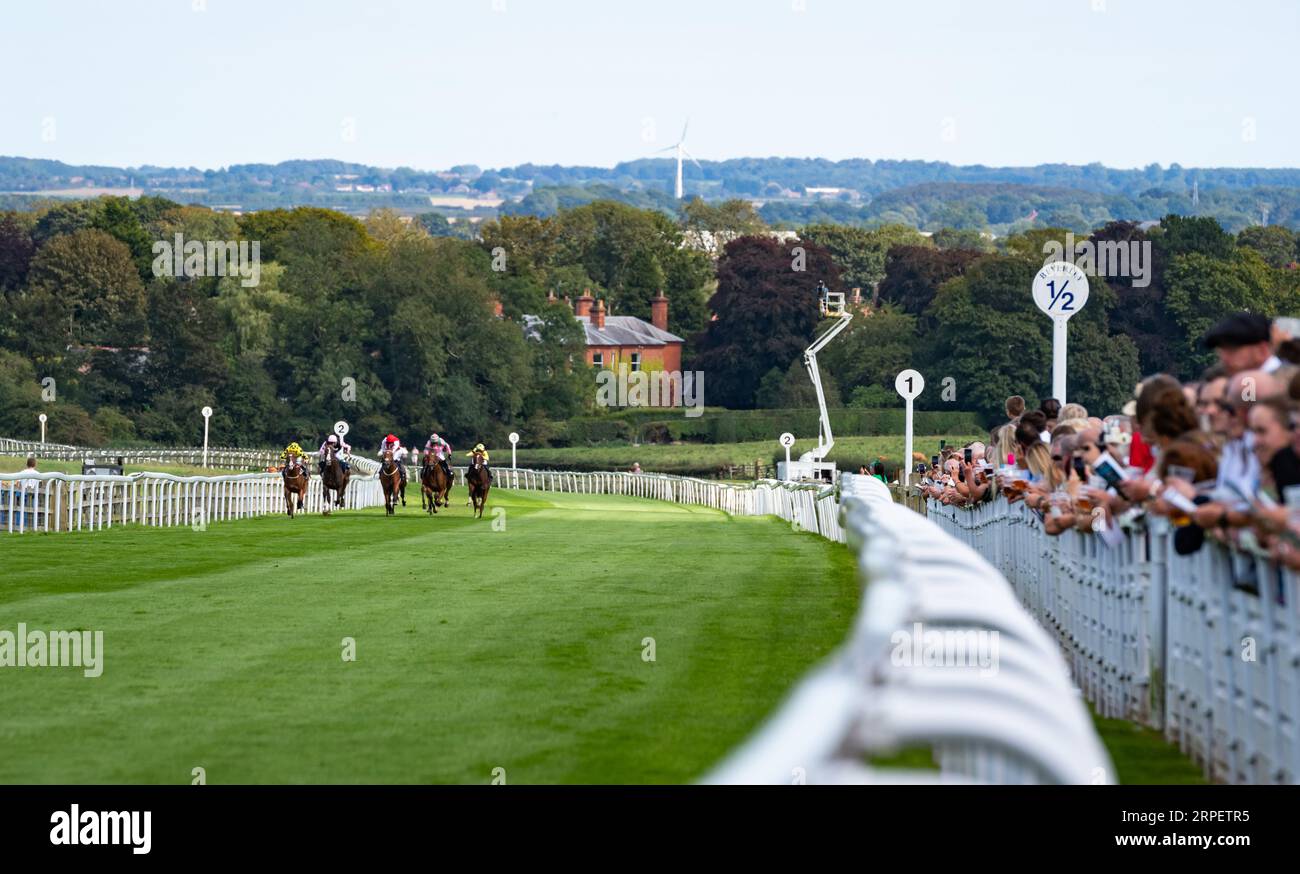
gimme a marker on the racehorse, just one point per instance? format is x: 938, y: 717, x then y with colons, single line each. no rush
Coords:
x: 476, y: 477
x: 333, y: 479
x: 295, y: 486
x: 390, y: 477
x: 435, y: 485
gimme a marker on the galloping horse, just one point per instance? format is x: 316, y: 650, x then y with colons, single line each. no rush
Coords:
x: 295, y: 485
x: 476, y: 477
x: 390, y: 477
x: 333, y: 479
x: 435, y: 485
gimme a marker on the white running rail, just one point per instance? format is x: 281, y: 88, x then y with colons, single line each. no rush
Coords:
x: 1205, y: 646
x: 71, y: 502
x: 218, y: 456
x: 1016, y: 718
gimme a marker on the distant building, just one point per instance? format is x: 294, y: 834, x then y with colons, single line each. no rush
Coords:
x: 627, y: 341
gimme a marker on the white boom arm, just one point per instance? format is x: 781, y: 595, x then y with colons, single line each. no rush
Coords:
x: 825, y: 440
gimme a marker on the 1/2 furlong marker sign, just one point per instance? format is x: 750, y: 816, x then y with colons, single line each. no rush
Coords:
x: 1060, y: 290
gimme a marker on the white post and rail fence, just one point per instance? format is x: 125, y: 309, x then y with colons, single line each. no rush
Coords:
x: 1204, y: 647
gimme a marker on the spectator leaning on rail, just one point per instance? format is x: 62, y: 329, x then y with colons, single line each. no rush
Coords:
x: 1218, y: 456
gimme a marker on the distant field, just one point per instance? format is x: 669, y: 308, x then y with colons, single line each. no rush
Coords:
x: 81, y: 192
x: 460, y: 202
x: 11, y: 463
x: 704, y: 458
x: 476, y: 648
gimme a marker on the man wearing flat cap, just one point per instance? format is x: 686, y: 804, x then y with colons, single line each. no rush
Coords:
x: 1243, y: 342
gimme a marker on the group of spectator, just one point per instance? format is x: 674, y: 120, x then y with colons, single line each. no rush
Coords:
x: 1220, y: 457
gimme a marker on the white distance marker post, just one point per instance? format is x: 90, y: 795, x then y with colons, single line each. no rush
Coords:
x: 514, y: 441
x: 909, y: 384
x: 43, y: 419
x: 1060, y: 290
x: 787, y: 440
x: 341, y: 428
x: 207, y: 414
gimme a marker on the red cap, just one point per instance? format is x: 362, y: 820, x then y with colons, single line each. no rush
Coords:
x: 391, y: 439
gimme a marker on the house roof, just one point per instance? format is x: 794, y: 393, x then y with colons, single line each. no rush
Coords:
x: 618, y: 331
x: 626, y: 331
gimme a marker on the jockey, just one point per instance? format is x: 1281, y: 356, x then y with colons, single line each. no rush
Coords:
x: 341, y: 448
x: 441, y: 450
x: 292, y: 456
x: 392, y: 444
x: 480, y: 450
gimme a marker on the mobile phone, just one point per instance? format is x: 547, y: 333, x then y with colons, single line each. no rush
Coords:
x: 970, y: 456
x: 1107, y: 471
x: 1080, y: 468
x: 934, y: 460
x: 942, y: 445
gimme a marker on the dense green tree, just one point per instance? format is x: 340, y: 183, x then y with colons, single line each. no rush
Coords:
x: 968, y: 238
x: 766, y: 315
x: 712, y: 225
x: 20, y: 395
x: 859, y: 252
x: 65, y: 217
x: 117, y: 218
x: 16, y: 251
x: 185, y: 330
x: 874, y: 348
x: 913, y: 275
x: 1202, y: 289
x: 1186, y: 235
x: 83, y: 289
x: 795, y: 389
x: 1274, y: 243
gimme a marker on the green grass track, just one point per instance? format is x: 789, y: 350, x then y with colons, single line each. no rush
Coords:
x: 476, y: 648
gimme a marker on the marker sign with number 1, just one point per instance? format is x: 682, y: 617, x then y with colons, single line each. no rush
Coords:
x: 909, y: 384
x: 1060, y: 291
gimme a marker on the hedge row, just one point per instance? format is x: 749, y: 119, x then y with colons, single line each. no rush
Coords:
x: 743, y: 426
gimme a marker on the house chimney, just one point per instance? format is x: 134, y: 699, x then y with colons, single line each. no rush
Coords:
x: 584, y: 304
x: 497, y: 309
x: 659, y: 311
x: 598, y: 315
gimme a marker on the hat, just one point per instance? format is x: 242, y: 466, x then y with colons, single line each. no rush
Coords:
x: 391, y: 439
x: 478, y: 447
x: 333, y: 438
x: 1238, y: 329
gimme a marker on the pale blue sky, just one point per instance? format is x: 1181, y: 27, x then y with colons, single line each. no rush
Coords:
x: 499, y: 82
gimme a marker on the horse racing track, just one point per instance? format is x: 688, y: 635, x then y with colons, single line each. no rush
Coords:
x: 581, y: 638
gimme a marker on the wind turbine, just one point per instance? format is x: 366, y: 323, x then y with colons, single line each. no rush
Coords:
x: 680, y: 146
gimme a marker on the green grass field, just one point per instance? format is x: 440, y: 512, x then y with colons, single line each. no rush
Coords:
x: 476, y: 649
x: 696, y: 458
